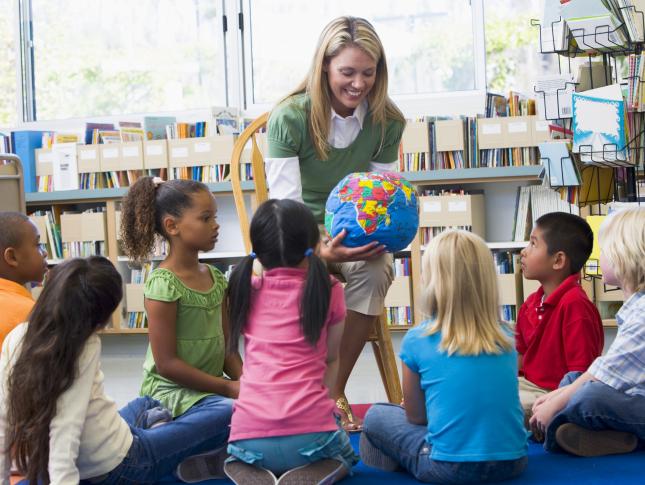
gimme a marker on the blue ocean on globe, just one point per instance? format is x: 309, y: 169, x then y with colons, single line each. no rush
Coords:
x: 373, y: 206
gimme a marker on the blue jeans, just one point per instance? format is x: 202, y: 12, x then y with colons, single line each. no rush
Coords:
x: 388, y: 429
x: 598, y: 406
x: 282, y: 453
x: 155, y: 453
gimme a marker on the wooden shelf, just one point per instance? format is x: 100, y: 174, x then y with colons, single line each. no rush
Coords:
x: 57, y: 196
x: 399, y: 328
x: 475, y: 175
x: 609, y: 323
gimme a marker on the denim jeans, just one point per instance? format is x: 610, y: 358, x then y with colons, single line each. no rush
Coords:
x: 155, y: 453
x: 598, y: 406
x: 388, y: 429
x: 282, y: 453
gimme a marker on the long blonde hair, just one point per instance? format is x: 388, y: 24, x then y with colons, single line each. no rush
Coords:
x: 460, y: 295
x: 338, y: 34
x: 622, y: 241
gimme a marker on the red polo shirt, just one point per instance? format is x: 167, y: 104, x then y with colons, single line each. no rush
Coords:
x: 562, y: 334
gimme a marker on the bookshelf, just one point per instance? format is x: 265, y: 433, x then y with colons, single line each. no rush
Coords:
x: 59, y: 202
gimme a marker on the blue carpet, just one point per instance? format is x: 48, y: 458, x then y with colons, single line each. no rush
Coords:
x: 551, y: 468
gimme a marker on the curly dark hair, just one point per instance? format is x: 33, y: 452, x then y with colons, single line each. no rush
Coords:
x: 78, y: 299
x: 144, y: 207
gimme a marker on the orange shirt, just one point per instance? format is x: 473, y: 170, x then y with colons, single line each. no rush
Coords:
x: 15, y: 304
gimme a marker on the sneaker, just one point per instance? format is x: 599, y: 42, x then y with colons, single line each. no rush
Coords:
x: 244, y: 474
x: 374, y: 457
x: 323, y: 472
x: 206, y: 466
x: 586, y: 442
x: 156, y: 417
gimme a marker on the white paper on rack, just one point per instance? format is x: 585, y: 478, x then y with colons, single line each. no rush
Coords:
x: 553, y: 95
x: 65, y: 166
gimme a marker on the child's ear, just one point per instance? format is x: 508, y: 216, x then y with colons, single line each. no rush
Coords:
x: 169, y: 225
x: 560, y: 261
x: 9, y: 256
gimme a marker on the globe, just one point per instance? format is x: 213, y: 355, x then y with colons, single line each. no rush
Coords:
x: 373, y: 206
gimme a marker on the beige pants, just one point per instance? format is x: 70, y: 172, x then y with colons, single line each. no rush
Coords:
x: 529, y: 393
x: 367, y: 282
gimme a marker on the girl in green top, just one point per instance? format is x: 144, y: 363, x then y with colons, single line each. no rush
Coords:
x: 340, y: 120
x: 186, y: 362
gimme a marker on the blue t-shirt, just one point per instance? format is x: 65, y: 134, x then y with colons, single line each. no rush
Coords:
x: 472, y: 402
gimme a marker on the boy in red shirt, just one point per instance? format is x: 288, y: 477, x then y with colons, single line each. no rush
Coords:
x: 559, y: 329
x: 22, y: 261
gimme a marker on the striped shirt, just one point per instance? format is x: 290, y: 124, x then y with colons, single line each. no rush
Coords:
x: 623, y: 366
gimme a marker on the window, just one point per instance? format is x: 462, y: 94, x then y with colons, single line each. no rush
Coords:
x: 429, y: 44
x: 116, y: 57
x: 8, y: 64
x: 513, y: 60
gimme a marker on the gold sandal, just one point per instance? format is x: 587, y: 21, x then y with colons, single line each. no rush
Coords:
x: 351, y: 426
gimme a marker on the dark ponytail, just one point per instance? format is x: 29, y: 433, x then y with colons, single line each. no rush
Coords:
x: 282, y: 232
x: 144, y: 207
x: 78, y: 299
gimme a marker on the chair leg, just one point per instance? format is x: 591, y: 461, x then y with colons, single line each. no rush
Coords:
x: 386, y: 361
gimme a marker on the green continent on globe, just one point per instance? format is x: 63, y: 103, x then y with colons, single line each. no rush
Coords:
x: 369, y: 196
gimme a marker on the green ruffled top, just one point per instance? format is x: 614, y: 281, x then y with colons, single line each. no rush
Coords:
x: 200, y: 338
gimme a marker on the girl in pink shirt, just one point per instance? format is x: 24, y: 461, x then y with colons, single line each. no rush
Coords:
x: 292, y: 322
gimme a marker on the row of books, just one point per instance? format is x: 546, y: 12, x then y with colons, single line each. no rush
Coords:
x: 138, y: 276
x: 402, y: 313
x: 532, y: 203
x: 49, y: 230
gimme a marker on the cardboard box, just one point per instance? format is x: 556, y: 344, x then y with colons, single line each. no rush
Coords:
x: 415, y: 137
x: 41, y: 224
x: 179, y: 153
x: 399, y: 292
x: 529, y: 286
x: 44, y: 162
x: 155, y: 154
x: 607, y: 292
x: 212, y: 150
x: 110, y: 157
x: 449, y: 135
x: 509, y: 286
x: 86, y: 226
x: 134, y: 298
x: 491, y: 133
x: 453, y: 210
x: 131, y: 155
x: 261, y: 140
x: 89, y: 158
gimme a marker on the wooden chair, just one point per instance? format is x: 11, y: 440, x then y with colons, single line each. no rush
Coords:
x: 380, y: 334
x: 12, y: 188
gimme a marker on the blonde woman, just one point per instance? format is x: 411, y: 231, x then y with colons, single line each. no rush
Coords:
x: 600, y: 412
x: 462, y: 420
x: 340, y: 120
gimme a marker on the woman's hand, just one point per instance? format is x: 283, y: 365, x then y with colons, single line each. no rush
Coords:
x: 335, y: 252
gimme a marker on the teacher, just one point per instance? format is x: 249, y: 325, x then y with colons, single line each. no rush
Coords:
x: 340, y: 120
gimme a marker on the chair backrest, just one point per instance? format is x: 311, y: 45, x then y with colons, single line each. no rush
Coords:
x: 12, y: 188
x: 260, y: 192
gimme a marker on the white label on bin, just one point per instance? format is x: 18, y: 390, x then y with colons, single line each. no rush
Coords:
x: 110, y: 153
x: 541, y: 125
x: 202, y: 147
x: 491, y: 129
x: 154, y: 150
x: 434, y: 206
x: 180, y: 152
x: 518, y: 127
x: 88, y: 154
x: 130, y: 152
x: 457, y: 206
x: 46, y: 157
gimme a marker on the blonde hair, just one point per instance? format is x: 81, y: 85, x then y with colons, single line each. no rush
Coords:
x: 460, y: 295
x: 337, y: 35
x: 622, y: 241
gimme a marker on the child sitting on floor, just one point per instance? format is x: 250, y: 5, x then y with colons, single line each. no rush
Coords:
x: 186, y: 359
x: 462, y: 420
x: 558, y: 329
x: 56, y: 421
x: 602, y: 411
x: 292, y: 321
x: 22, y: 261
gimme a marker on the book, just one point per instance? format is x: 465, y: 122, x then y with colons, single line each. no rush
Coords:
x: 155, y: 126
x: 90, y: 127
x: 599, y: 125
x: 560, y: 168
x: 24, y: 143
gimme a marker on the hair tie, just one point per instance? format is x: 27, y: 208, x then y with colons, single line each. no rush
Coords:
x: 309, y: 252
x: 253, y: 255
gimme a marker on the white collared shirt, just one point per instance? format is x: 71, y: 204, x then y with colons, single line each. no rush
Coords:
x: 283, y: 174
